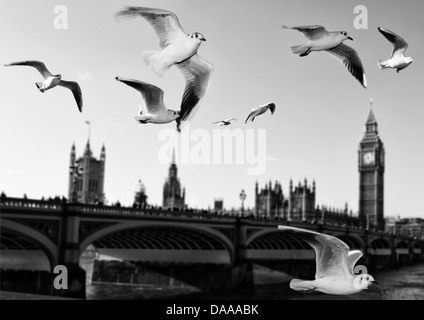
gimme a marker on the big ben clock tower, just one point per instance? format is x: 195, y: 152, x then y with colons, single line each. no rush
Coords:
x: 371, y: 176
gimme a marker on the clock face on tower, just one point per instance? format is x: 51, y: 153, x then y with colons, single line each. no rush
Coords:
x: 368, y: 158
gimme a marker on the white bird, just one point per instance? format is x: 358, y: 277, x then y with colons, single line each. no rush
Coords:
x: 176, y: 45
x: 224, y: 122
x: 260, y: 110
x: 178, y: 48
x: 398, y: 60
x: 155, y: 112
x: 51, y: 81
x: 334, y: 265
x: 331, y: 42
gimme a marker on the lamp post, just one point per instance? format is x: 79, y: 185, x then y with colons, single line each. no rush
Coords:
x: 242, y: 198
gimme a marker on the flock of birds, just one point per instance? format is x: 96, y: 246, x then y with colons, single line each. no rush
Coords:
x: 334, y: 262
x: 180, y: 49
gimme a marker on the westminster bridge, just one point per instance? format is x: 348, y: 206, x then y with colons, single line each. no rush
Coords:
x: 37, y: 235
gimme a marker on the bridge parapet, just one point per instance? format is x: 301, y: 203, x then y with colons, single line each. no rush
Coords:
x: 42, y: 205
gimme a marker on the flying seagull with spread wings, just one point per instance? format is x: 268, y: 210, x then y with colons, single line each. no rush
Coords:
x: 180, y: 49
x: 224, y: 122
x: 152, y: 96
x: 332, y: 42
x: 397, y: 60
x: 51, y: 81
x: 334, y: 265
x: 260, y: 110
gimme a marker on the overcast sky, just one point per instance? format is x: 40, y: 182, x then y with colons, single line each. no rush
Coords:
x: 314, y: 133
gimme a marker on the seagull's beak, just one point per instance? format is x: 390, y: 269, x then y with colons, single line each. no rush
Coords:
x: 350, y: 38
x: 203, y: 39
x: 374, y: 282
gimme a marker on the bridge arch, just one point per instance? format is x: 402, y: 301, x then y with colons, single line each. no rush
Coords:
x: 204, y: 235
x: 402, y: 244
x: 275, y: 240
x: 354, y: 242
x: 32, y: 236
x: 380, y: 243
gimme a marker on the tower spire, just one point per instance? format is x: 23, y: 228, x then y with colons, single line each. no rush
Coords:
x: 89, y: 129
x: 371, y: 117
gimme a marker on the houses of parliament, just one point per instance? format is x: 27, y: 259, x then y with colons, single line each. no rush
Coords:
x: 86, y: 183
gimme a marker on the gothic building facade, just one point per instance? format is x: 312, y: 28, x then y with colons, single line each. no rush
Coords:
x: 173, y: 193
x: 270, y: 200
x: 371, y: 158
x: 300, y: 203
x: 86, y: 176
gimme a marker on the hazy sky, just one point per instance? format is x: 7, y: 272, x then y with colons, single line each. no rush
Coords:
x: 314, y: 133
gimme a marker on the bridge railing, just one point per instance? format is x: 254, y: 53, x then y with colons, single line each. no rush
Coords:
x: 42, y: 205
x: 154, y: 212
x: 57, y: 205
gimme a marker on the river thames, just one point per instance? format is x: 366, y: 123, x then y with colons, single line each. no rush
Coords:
x: 405, y: 284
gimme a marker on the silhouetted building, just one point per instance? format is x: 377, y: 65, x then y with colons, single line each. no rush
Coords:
x: 301, y: 201
x: 140, y: 197
x: 269, y: 201
x: 218, y: 205
x: 173, y: 194
x: 371, y: 156
x: 409, y: 227
x: 86, y: 176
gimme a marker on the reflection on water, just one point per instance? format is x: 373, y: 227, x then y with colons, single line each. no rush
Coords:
x: 405, y: 284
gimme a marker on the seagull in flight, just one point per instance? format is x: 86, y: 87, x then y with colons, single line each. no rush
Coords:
x: 180, y: 49
x: 334, y: 265
x: 398, y: 60
x: 176, y: 44
x: 260, y: 110
x: 155, y: 112
x: 224, y: 122
x: 332, y: 42
x: 51, y: 81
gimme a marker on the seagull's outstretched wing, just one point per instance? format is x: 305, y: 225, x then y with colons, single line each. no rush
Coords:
x: 331, y: 252
x: 152, y: 95
x: 231, y: 119
x: 352, y: 258
x: 399, y: 44
x: 76, y: 90
x: 253, y: 113
x: 165, y: 23
x: 350, y: 58
x: 310, y: 32
x: 197, y: 73
x: 40, y: 66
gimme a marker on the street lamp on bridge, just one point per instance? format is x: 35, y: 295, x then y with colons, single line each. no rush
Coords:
x: 242, y: 198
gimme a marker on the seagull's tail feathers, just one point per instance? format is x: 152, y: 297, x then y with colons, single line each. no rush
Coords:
x: 302, y: 50
x: 302, y: 285
x: 40, y: 86
x: 153, y: 61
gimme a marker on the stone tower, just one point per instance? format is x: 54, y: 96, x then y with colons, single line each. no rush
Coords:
x: 302, y: 201
x: 371, y: 156
x: 86, y: 176
x: 270, y: 201
x: 173, y: 194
